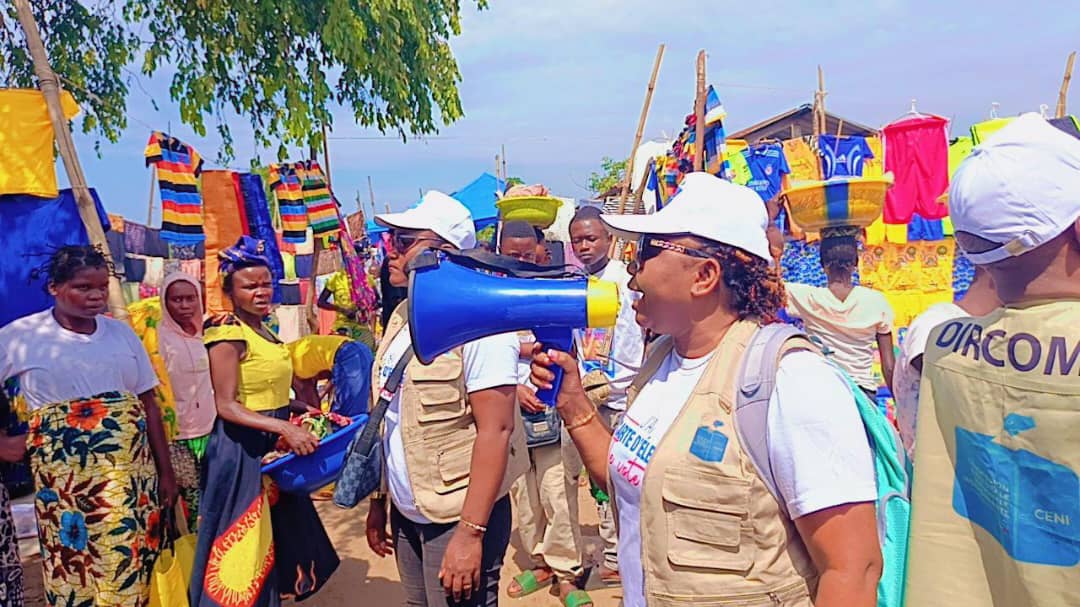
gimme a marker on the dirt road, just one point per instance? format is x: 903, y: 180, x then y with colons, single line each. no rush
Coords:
x: 365, y: 579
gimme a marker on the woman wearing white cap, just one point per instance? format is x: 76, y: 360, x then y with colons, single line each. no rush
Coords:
x: 453, y: 443
x: 697, y: 522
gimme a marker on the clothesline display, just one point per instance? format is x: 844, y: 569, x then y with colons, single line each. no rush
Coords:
x: 178, y: 167
x: 304, y: 199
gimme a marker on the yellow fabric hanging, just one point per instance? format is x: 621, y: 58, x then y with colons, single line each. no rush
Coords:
x: 27, y: 157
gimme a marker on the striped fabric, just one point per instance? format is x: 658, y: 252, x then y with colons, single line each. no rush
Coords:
x: 178, y: 168
x: 290, y: 197
x: 322, y: 209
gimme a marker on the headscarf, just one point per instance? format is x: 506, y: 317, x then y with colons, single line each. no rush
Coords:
x: 187, y: 364
x: 247, y: 251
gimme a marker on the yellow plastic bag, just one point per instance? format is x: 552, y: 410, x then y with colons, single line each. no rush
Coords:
x: 172, y: 572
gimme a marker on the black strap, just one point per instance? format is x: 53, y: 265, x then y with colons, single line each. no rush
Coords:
x: 479, y: 259
x: 386, y: 395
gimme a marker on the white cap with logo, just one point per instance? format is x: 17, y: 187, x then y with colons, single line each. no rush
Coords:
x: 1020, y: 188
x: 707, y: 207
x: 439, y: 213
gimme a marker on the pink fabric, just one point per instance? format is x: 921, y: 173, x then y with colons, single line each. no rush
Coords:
x: 917, y: 154
x: 188, y: 366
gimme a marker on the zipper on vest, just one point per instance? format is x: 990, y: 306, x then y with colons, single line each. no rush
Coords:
x: 774, y: 598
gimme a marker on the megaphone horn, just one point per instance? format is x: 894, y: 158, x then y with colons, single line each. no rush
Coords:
x: 451, y: 305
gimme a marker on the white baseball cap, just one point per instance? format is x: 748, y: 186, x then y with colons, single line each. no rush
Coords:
x: 1020, y: 188
x: 439, y: 213
x: 707, y: 207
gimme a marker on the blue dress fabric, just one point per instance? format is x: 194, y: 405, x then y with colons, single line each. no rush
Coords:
x: 260, y: 226
x: 31, y: 230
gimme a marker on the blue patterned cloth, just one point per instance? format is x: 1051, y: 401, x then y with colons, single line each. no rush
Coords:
x: 260, y: 226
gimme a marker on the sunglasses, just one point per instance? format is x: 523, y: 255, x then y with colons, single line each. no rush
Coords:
x: 649, y: 247
x: 403, y: 241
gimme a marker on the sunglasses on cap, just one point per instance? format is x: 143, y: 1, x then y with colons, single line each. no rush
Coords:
x: 651, y: 246
x: 403, y: 241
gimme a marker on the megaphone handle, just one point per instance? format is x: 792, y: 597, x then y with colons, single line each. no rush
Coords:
x: 561, y: 339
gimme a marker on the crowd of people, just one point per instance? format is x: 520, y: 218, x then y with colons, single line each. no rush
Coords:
x: 699, y: 500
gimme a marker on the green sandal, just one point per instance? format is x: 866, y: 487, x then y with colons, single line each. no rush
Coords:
x: 528, y: 583
x: 578, y: 598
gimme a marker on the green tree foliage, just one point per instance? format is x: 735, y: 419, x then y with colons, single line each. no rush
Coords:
x: 611, y: 174
x: 282, y: 64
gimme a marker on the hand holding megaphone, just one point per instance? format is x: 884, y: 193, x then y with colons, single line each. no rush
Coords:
x: 544, y: 377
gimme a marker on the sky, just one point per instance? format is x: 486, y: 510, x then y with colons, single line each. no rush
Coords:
x: 561, y: 84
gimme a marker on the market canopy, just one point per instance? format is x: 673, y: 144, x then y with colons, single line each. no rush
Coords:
x: 478, y: 196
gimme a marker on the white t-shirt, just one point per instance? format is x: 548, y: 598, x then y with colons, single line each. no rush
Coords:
x: 817, y: 446
x: 617, y: 351
x: 848, y: 329
x: 54, y: 364
x: 489, y: 363
x: 906, y: 378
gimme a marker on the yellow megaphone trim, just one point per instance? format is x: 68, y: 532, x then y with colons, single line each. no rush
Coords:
x: 602, y: 302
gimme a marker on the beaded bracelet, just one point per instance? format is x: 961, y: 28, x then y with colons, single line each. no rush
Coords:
x: 581, y: 422
x: 474, y: 526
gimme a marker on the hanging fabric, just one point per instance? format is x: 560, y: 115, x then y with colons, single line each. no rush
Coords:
x: 290, y: 198
x: 917, y: 154
x: 178, y: 168
x: 322, y: 209
x: 31, y: 230
x: 260, y: 225
x: 27, y: 155
x: 768, y: 165
x: 843, y: 156
x: 981, y: 131
x: 226, y: 222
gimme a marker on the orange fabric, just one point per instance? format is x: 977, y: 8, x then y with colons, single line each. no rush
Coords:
x: 224, y: 224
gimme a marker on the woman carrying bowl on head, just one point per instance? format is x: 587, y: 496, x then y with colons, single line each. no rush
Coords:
x: 251, y: 373
x: 96, y: 444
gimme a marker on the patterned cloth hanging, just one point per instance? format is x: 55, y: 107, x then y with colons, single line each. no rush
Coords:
x: 290, y: 197
x: 322, y: 209
x: 178, y: 168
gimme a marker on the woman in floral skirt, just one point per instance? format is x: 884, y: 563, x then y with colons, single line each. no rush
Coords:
x: 97, y: 446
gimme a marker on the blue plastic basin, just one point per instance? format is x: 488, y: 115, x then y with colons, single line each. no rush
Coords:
x: 308, y: 473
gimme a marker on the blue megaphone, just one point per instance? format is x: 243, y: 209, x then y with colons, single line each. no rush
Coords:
x: 458, y: 298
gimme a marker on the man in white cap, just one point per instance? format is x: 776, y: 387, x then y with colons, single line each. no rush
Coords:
x: 453, y: 442
x: 697, y: 522
x: 996, y: 501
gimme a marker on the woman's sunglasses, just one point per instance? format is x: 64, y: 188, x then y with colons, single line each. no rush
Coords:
x: 650, y: 246
x: 403, y: 241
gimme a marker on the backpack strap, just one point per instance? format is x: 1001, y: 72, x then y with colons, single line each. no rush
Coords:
x: 756, y: 382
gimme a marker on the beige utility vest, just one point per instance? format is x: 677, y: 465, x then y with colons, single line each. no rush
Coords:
x: 996, y: 501
x: 438, y: 429
x: 711, y: 532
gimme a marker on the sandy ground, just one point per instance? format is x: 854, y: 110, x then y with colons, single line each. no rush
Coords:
x: 364, y: 578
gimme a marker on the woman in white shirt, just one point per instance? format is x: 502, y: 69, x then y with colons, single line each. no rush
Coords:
x: 849, y: 321
x: 96, y: 444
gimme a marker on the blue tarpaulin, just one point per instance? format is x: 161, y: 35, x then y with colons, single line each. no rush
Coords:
x: 478, y: 197
x: 31, y: 230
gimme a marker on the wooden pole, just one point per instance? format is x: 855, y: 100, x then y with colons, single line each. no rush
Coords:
x: 503, y: 155
x: 628, y: 179
x: 639, y: 192
x: 50, y: 88
x: 1063, y: 94
x: 699, y: 115
x: 150, y: 205
x: 371, y: 193
x: 326, y: 155
x: 823, y: 125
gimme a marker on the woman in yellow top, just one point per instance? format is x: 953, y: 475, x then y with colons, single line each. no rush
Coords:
x: 349, y: 320
x: 346, y: 363
x: 256, y: 544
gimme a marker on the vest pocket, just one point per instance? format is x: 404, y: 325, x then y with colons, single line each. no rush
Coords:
x: 708, y: 521
x: 454, y: 464
x: 439, y: 389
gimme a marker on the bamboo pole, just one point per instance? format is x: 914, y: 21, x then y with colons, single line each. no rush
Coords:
x: 50, y: 88
x: 503, y: 156
x: 150, y: 205
x: 371, y: 194
x: 326, y: 155
x: 1063, y: 94
x: 628, y: 179
x: 699, y: 115
x: 639, y: 192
